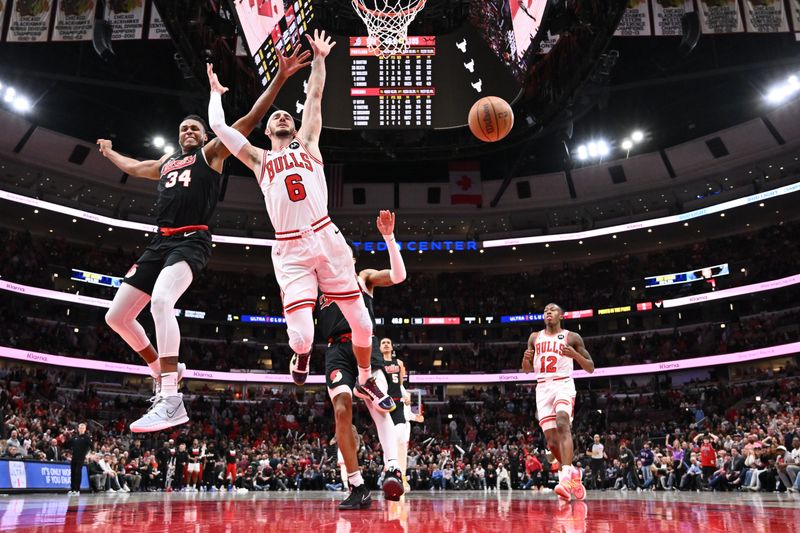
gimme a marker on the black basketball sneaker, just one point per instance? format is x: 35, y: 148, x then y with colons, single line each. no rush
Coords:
x: 358, y: 499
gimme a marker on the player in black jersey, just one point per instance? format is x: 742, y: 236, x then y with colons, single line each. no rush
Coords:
x: 394, y: 372
x: 188, y: 189
x: 342, y: 375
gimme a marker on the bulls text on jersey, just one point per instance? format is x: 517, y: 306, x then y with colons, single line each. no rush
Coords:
x: 279, y: 163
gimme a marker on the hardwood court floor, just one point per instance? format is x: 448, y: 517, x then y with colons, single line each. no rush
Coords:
x: 437, y: 512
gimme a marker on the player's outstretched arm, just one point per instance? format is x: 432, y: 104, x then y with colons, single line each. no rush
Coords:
x: 312, y: 109
x: 287, y: 66
x: 576, y: 350
x: 149, y: 169
x: 396, y: 273
x: 234, y: 141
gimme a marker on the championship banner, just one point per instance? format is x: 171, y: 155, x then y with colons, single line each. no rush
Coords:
x: 667, y: 15
x: 157, y: 30
x: 74, y: 20
x: 765, y: 16
x: 635, y: 20
x: 127, y: 19
x: 794, y: 14
x: 720, y: 16
x: 30, y: 21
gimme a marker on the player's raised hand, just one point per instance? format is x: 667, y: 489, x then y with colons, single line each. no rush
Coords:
x: 213, y: 81
x: 288, y: 65
x: 320, y: 43
x: 385, y: 222
x: 105, y: 146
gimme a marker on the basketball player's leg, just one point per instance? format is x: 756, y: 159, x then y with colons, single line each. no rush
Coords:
x: 403, y: 434
x: 121, y: 317
x: 393, y: 481
x: 168, y: 409
x: 295, y: 276
x: 340, y: 376
x: 338, y: 281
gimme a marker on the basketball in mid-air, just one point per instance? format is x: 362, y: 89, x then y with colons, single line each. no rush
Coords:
x: 490, y: 119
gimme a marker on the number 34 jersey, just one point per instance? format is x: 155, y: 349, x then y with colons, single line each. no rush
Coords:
x: 187, y: 191
x: 548, y: 362
x: 294, y: 188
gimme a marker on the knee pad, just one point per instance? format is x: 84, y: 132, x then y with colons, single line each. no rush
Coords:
x: 301, y: 338
x: 360, y: 324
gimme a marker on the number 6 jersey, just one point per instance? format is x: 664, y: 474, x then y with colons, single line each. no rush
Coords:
x: 548, y: 362
x: 294, y: 188
x: 187, y: 191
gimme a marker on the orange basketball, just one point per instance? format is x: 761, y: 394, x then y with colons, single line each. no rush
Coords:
x: 490, y: 119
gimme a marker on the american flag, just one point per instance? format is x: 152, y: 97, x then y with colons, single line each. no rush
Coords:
x: 334, y: 173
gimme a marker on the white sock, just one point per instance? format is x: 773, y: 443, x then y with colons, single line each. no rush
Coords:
x: 565, y: 472
x: 155, y: 368
x: 355, y: 479
x: 391, y: 464
x: 169, y: 384
x: 386, y: 434
x: 364, y: 373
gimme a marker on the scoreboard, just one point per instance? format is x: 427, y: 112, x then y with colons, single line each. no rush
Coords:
x: 396, y: 91
x: 432, y: 84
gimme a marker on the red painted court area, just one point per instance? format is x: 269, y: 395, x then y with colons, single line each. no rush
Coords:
x: 451, y: 512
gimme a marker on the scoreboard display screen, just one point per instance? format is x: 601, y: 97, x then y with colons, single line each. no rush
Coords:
x: 431, y: 85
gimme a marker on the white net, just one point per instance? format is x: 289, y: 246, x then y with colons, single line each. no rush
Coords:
x: 387, y: 22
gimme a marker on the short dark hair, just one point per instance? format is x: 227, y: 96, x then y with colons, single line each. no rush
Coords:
x: 197, y: 118
x: 353, y: 248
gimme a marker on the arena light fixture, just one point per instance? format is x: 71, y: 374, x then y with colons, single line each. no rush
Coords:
x: 9, y: 95
x: 627, y: 144
x: 158, y: 141
x: 781, y: 92
x: 583, y: 152
x: 637, y: 136
x: 168, y: 148
x: 602, y: 148
x: 21, y: 104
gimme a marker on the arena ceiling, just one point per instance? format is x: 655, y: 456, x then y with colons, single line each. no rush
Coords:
x: 146, y: 87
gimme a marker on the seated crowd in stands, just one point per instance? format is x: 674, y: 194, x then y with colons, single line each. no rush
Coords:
x: 711, y: 436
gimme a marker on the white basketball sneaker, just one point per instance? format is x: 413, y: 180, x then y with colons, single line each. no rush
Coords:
x: 166, y: 412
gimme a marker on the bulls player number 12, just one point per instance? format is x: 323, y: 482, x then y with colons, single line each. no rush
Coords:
x: 550, y: 354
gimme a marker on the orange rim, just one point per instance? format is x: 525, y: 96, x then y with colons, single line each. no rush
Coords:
x: 380, y: 14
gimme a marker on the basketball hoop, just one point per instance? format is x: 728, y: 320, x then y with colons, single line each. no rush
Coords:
x: 387, y: 23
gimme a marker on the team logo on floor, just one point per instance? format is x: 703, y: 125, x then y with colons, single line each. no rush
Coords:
x: 336, y: 376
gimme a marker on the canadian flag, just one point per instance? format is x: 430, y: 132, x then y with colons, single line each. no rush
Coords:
x: 465, y: 182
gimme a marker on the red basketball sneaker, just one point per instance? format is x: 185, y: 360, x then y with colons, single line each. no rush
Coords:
x: 576, y: 485
x: 564, y: 488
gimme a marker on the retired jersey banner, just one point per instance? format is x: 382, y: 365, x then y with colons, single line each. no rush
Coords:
x: 765, y: 16
x: 720, y: 16
x: 667, y: 15
x: 157, y: 30
x: 30, y: 21
x: 635, y: 20
x: 126, y: 17
x: 74, y: 20
x: 794, y: 14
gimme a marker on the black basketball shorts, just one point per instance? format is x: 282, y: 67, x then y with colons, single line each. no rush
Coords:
x: 341, y: 370
x: 194, y: 247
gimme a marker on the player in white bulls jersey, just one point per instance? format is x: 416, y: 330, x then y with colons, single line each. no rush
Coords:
x: 550, y: 354
x: 311, y: 253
